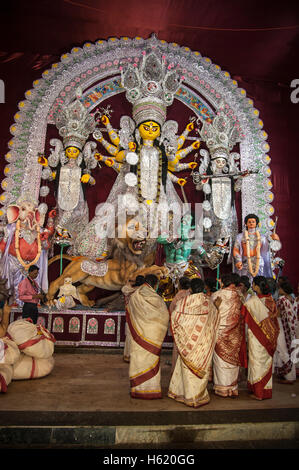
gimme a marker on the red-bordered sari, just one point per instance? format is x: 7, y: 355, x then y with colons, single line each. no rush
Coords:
x: 260, y: 314
x: 147, y: 318
x: 194, y: 324
x: 226, y: 358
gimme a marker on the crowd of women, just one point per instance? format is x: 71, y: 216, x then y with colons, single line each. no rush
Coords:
x: 218, y: 333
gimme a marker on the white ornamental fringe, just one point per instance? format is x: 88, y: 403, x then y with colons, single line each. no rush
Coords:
x: 94, y: 268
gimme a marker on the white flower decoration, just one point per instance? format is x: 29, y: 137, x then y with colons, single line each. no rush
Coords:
x: 132, y: 158
x: 206, y: 205
x: 206, y: 188
x: 44, y: 191
x: 131, y: 179
x: 207, y: 223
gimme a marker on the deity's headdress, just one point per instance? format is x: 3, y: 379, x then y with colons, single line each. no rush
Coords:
x: 75, y: 124
x: 27, y: 197
x: 150, y: 88
x: 220, y: 136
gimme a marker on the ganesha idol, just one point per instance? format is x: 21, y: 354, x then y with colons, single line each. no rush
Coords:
x: 25, y: 243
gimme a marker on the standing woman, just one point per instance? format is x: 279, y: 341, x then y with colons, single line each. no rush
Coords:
x: 260, y: 314
x: 184, y: 291
x: 288, y: 321
x: 128, y: 290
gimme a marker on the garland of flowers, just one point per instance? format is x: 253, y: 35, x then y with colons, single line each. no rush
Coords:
x: 17, y: 246
x: 258, y: 253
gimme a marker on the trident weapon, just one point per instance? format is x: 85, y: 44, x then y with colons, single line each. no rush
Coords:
x: 240, y: 173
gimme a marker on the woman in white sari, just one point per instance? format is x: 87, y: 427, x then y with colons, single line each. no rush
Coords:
x: 194, y: 325
x: 147, y: 318
x: 230, y: 344
x: 260, y: 315
x: 288, y: 322
x: 128, y: 290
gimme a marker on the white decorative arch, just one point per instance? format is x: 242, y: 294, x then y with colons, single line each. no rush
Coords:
x: 96, y: 65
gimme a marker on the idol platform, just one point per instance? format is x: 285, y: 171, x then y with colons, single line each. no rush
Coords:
x: 85, y: 402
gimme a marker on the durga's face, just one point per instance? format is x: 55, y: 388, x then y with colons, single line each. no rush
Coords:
x: 149, y: 130
x: 72, y: 152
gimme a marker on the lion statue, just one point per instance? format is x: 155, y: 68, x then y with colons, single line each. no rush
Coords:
x: 132, y: 255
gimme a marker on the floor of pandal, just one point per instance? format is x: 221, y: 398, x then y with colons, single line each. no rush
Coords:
x: 85, y: 403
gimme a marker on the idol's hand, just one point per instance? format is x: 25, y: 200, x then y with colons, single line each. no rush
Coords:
x: 132, y: 146
x: 42, y: 160
x: 44, y: 236
x: 190, y: 126
x: 85, y: 178
x: 52, y: 213
x: 109, y: 162
x: 105, y: 120
x: 192, y: 165
x: 239, y: 265
x: 274, y: 236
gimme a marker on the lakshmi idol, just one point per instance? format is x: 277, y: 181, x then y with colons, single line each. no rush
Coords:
x: 70, y: 164
x: 251, y: 251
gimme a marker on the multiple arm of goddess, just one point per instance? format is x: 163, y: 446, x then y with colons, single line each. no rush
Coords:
x: 117, y: 155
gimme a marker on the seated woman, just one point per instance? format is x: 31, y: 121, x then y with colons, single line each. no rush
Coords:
x: 260, y: 315
x: 288, y: 322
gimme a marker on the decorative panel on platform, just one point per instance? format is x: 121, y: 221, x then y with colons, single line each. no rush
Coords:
x: 90, y: 327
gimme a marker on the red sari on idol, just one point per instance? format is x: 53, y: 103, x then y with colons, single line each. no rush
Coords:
x: 260, y: 314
